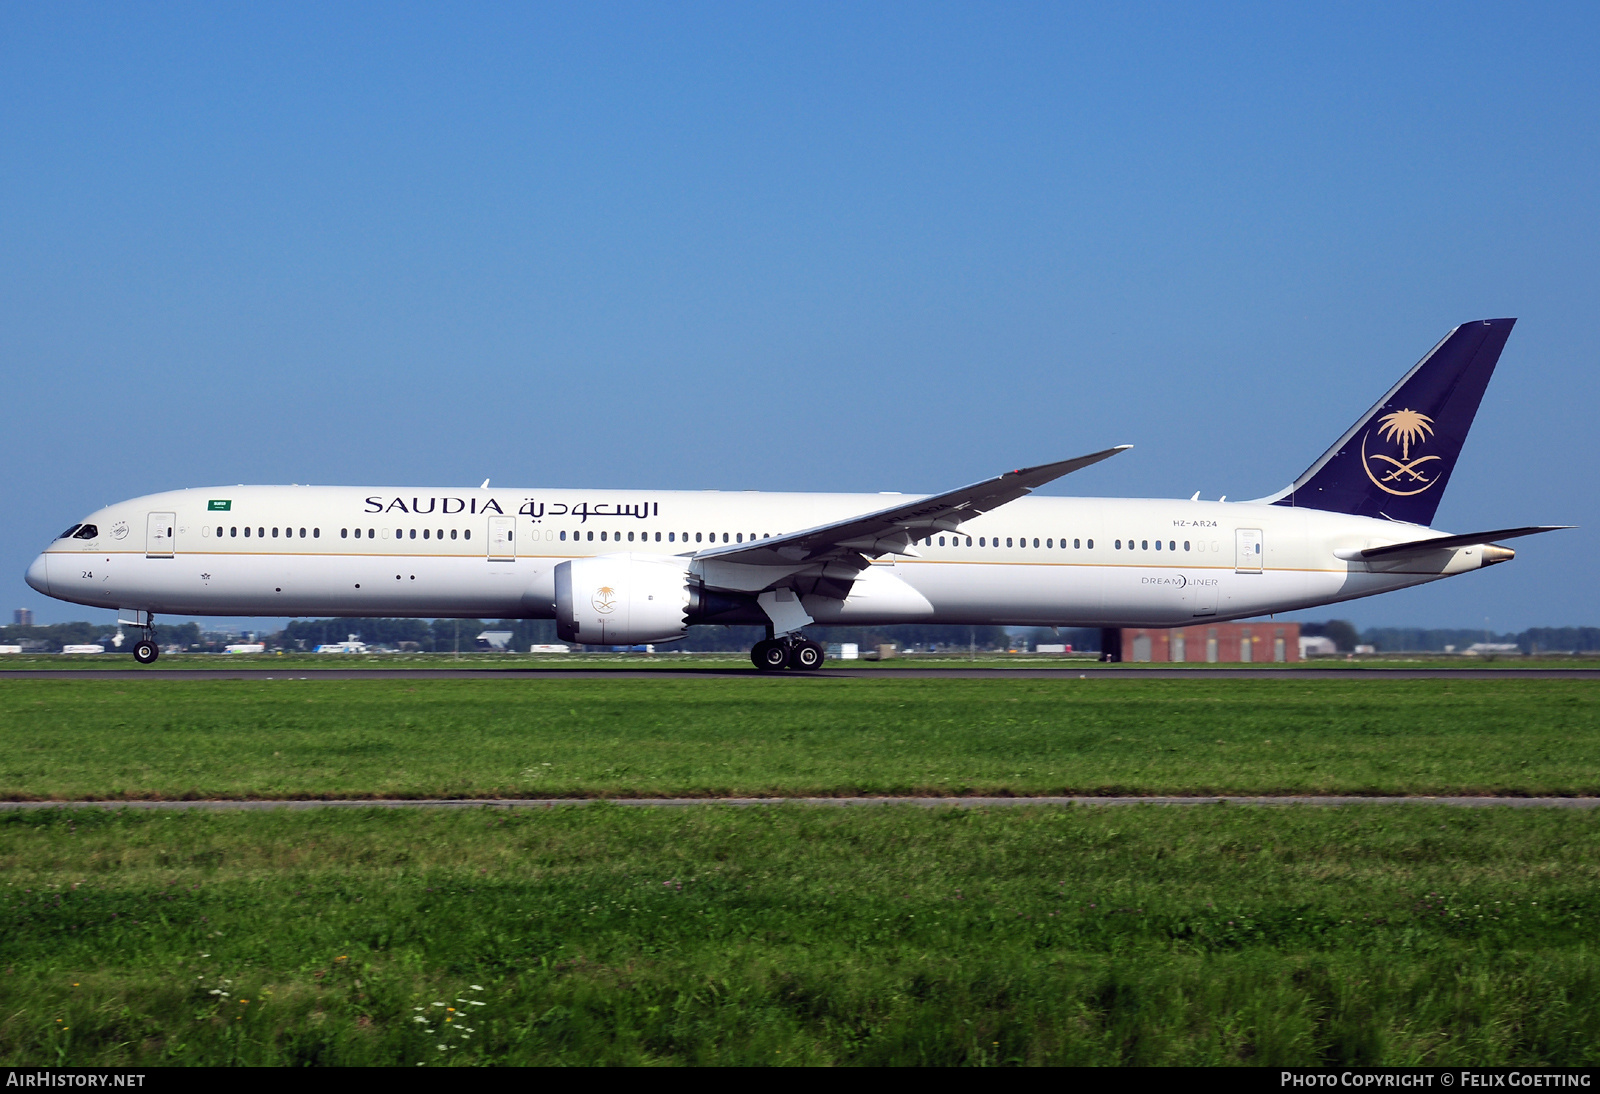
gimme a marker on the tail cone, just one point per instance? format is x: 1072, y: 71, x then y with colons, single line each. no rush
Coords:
x: 1493, y: 555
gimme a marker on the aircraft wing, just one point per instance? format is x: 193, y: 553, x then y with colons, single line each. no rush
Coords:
x: 892, y: 530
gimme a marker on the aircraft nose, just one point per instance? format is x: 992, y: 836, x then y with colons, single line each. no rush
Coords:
x: 39, y: 575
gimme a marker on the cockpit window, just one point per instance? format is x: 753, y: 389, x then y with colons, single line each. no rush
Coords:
x: 86, y: 531
x: 68, y: 533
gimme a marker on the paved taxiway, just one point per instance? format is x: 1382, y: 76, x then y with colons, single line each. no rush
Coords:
x: 942, y: 672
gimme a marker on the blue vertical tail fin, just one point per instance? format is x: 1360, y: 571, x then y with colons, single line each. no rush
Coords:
x: 1396, y: 460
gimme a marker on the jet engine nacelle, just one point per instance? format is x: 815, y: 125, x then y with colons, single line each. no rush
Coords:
x: 622, y: 599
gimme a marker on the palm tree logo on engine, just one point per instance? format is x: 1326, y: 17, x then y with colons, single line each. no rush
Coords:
x: 1406, y: 428
x: 604, y: 600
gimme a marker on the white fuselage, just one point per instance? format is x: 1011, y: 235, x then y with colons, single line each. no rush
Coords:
x: 294, y: 551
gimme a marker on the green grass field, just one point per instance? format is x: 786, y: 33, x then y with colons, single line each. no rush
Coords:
x: 798, y: 934
x: 745, y: 735
x: 802, y: 934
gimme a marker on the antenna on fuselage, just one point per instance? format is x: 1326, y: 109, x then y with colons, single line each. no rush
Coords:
x: 485, y: 485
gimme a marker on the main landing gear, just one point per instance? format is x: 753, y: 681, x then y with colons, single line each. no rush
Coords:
x: 794, y: 653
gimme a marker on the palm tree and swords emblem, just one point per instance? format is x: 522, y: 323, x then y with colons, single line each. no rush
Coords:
x: 1406, y: 428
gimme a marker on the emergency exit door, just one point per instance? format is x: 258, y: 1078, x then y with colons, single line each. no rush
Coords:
x: 502, y: 539
x: 1247, y: 551
x: 158, y: 535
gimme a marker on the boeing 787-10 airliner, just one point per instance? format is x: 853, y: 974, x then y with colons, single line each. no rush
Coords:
x: 615, y: 567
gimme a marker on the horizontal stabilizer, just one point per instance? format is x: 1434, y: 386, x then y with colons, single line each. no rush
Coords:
x: 1469, y: 539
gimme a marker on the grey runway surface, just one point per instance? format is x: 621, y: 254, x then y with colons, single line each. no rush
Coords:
x: 940, y: 672
x: 931, y: 803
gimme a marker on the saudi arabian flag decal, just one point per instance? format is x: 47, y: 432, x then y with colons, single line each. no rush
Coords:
x: 219, y: 506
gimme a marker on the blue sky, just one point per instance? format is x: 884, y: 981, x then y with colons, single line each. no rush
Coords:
x: 833, y: 247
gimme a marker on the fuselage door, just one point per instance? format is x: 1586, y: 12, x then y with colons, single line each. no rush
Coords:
x: 502, y: 539
x: 158, y: 535
x: 1247, y: 550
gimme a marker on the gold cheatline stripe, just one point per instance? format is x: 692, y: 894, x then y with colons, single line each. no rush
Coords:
x: 897, y: 562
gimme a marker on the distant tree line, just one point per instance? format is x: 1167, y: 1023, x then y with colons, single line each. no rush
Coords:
x: 905, y: 636
x: 428, y: 636
x: 449, y: 635
x: 49, y: 638
x: 1426, y: 640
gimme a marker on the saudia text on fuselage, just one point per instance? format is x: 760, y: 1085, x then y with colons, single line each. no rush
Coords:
x: 530, y: 507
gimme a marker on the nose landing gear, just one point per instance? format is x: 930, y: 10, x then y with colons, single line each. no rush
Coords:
x: 145, y: 650
x: 787, y: 652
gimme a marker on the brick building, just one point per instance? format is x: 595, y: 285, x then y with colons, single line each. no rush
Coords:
x: 1243, y: 643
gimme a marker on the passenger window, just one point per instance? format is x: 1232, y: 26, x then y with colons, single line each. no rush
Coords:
x: 344, y: 533
x: 452, y: 533
x: 630, y: 537
x: 413, y: 533
x: 602, y: 537
x: 1144, y: 545
x: 1047, y: 543
x: 697, y: 537
x: 941, y: 541
x: 1091, y: 545
x: 302, y: 533
x: 233, y: 533
x: 274, y: 533
x: 591, y: 537
x: 316, y: 533
x: 425, y: 533
x: 563, y: 536
x: 1172, y: 545
x: 1036, y: 542
x: 969, y: 541
x: 980, y: 541
x: 1185, y: 545
x: 1158, y: 545
x: 724, y: 537
x: 669, y: 537
x: 1117, y: 545
x: 466, y: 534
x: 739, y: 538
x: 247, y: 531
x: 658, y: 537
x: 1075, y: 546
x: 1008, y: 541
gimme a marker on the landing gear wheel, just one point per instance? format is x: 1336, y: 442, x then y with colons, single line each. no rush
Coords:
x: 769, y: 654
x: 806, y: 655
x: 145, y: 651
